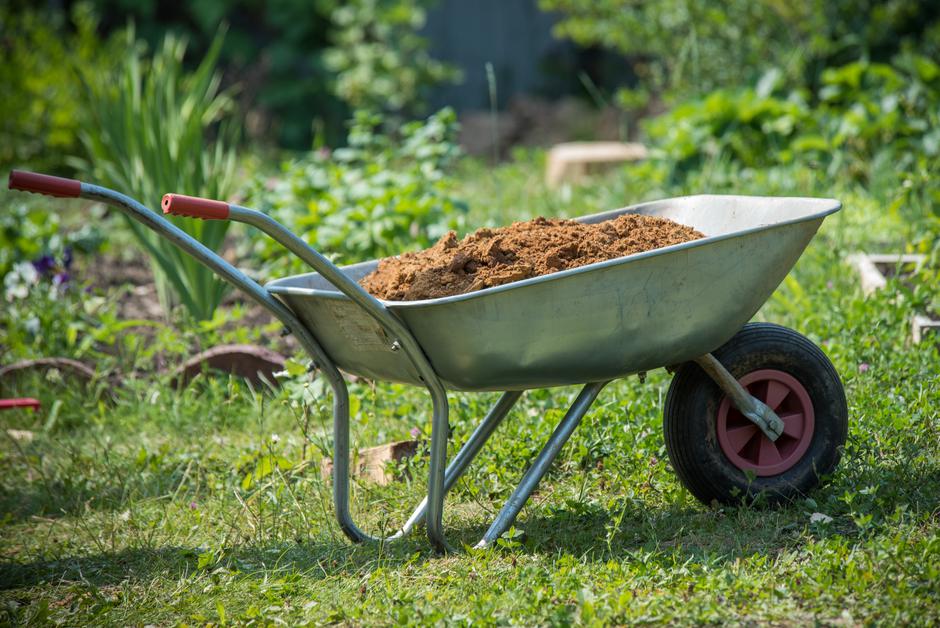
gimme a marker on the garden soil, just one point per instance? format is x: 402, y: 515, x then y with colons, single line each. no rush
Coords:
x: 492, y: 257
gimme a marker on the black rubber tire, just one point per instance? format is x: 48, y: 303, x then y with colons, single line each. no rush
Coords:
x: 691, y: 410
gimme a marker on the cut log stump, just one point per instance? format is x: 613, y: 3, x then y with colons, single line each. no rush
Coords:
x: 570, y: 162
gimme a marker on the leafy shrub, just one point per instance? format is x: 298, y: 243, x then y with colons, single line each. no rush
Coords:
x: 381, y: 61
x: 147, y: 133
x: 860, y: 111
x: 750, y: 126
x: 374, y: 198
x: 697, y: 46
x: 39, y: 117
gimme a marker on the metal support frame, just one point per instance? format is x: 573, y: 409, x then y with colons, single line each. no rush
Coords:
x: 400, y: 336
x: 510, y: 510
x: 753, y: 409
x: 440, y: 480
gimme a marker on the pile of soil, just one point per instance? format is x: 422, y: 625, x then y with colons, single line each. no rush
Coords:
x: 492, y: 257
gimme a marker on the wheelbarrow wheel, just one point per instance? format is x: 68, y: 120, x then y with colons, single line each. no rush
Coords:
x: 719, y: 455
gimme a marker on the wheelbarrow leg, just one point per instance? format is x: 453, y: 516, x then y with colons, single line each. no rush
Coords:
x: 440, y: 433
x: 542, y: 462
x: 453, y: 472
x: 341, y: 464
x: 467, y: 453
x: 436, y: 489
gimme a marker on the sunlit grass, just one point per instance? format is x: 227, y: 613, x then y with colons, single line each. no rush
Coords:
x: 134, y: 510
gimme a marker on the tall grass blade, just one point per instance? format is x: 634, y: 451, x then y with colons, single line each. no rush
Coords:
x: 148, y: 134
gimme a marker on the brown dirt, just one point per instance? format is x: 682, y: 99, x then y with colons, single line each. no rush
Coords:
x: 492, y: 257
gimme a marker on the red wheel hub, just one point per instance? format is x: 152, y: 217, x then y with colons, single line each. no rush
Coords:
x: 745, y: 444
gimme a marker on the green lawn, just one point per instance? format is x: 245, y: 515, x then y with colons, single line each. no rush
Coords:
x: 135, y: 510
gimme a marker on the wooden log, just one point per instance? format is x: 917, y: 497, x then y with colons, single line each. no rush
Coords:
x: 571, y: 161
x: 372, y: 463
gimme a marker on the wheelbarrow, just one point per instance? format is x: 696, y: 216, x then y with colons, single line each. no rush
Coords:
x: 752, y: 410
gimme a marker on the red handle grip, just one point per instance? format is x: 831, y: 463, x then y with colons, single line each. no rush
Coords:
x: 25, y: 402
x: 45, y: 184
x: 194, y: 207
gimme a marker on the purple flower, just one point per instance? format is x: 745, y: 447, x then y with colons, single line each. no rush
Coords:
x: 60, y: 279
x: 192, y: 505
x: 415, y: 432
x: 67, y: 257
x: 44, y: 264
x: 830, y: 285
x: 863, y: 367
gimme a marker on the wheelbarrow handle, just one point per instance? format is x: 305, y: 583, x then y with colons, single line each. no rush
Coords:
x: 22, y: 402
x: 194, y: 207
x: 401, y: 338
x: 182, y: 205
x: 45, y: 184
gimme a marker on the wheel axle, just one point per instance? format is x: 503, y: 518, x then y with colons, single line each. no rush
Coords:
x: 755, y: 410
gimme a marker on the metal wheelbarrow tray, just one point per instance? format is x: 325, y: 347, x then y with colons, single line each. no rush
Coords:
x: 752, y: 411
x: 596, y: 322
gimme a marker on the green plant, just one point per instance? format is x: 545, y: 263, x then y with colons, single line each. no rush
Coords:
x: 31, y: 232
x: 861, y: 114
x: 39, y: 111
x: 44, y: 315
x: 693, y: 46
x: 381, y: 62
x: 302, y: 64
x: 376, y: 197
x: 150, y: 131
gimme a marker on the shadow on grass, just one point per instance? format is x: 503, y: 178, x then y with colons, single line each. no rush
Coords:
x: 319, y: 559
x: 595, y: 533
x: 65, y: 496
x: 586, y: 530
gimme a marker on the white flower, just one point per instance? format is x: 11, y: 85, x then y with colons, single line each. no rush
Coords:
x: 275, y: 438
x: 27, y: 271
x: 19, y: 279
x: 32, y: 326
x: 818, y: 517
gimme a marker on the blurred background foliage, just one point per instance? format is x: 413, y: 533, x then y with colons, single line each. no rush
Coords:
x: 373, y: 198
x: 690, y: 47
x: 39, y: 110
x: 301, y: 65
x: 208, y: 97
x: 149, y: 127
x: 380, y: 61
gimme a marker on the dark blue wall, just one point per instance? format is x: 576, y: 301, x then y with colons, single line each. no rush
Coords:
x: 513, y: 35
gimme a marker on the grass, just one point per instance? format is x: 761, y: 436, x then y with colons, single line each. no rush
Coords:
x: 206, y: 505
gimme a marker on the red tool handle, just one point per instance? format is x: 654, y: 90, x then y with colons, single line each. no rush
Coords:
x: 194, y: 207
x: 45, y: 184
x: 25, y: 402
